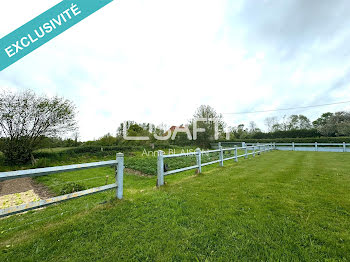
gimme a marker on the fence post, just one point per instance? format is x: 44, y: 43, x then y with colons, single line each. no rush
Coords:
x: 160, y: 169
x: 120, y: 175
x: 293, y: 146
x: 246, y: 152
x: 259, y: 149
x: 253, y: 151
x: 219, y: 144
x: 344, y: 147
x: 221, y: 156
x: 236, y: 158
x: 199, y: 160
x: 316, y: 149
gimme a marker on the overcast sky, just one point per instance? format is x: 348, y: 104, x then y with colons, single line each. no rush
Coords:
x: 158, y: 60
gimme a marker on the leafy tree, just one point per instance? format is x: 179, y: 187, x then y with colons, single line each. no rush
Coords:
x: 344, y: 128
x: 26, y: 118
x: 240, y: 132
x: 304, y: 122
x: 297, y: 122
x: 106, y: 140
x: 158, y: 131
x: 135, y: 129
x: 321, y: 121
x: 337, y: 124
x: 208, y: 113
x: 293, y: 122
x: 277, y: 127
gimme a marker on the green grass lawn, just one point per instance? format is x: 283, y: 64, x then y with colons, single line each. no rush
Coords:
x: 279, y: 206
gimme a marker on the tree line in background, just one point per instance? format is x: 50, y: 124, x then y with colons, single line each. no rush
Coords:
x: 294, y: 126
x: 29, y: 122
x: 298, y: 126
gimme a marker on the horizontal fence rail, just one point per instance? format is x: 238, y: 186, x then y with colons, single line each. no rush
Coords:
x: 119, y: 163
x: 227, y: 144
x: 292, y: 146
x: 317, y: 147
x: 248, y: 150
x: 52, y: 170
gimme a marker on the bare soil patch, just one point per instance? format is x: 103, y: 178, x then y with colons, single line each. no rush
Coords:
x: 20, y: 185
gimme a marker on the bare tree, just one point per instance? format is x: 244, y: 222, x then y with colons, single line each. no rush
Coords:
x: 253, y: 128
x: 76, y: 136
x: 271, y: 123
x: 26, y: 118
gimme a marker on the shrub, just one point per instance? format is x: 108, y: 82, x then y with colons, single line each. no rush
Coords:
x: 42, y: 162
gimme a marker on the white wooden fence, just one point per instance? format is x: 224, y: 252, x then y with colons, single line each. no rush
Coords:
x: 161, y: 173
x: 317, y: 147
x: 119, y: 163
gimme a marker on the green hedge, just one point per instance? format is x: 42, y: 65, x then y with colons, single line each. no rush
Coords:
x: 302, y: 133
